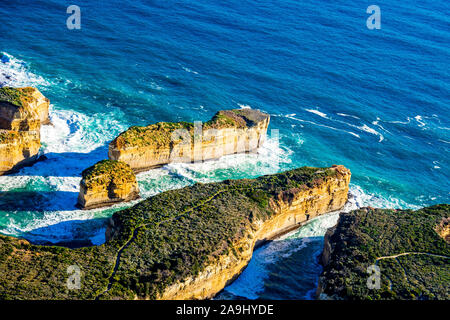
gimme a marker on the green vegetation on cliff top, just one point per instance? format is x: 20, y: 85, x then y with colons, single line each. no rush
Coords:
x: 107, y: 171
x: 369, y: 236
x: 15, y: 96
x: 166, y: 238
x: 8, y: 136
x: 160, y: 134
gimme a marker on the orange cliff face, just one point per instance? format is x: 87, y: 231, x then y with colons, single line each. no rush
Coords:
x: 292, y: 209
x: 22, y: 111
x: 229, y: 132
x: 106, y: 183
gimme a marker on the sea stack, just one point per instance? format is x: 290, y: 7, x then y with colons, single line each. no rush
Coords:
x: 179, y: 244
x: 22, y: 111
x: 228, y: 132
x: 106, y: 183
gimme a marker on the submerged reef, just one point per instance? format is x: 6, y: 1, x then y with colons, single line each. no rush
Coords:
x: 106, y: 183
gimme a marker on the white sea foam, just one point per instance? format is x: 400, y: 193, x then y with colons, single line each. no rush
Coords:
x: 420, y: 121
x: 250, y: 283
x: 317, y: 112
x: 293, y: 117
x: 16, y: 73
x: 368, y: 129
x: 244, y: 106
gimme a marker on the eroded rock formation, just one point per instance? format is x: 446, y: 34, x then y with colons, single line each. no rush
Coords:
x: 292, y: 208
x: 228, y: 132
x: 180, y: 244
x: 106, y: 183
x: 22, y: 111
x: 413, y: 259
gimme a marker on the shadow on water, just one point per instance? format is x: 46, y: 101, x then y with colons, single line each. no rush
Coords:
x: 37, y: 201
x: 285, y: 269
x: 65, y: 164
x: 71, y: 234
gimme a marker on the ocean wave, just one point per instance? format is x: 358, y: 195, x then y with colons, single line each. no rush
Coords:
x: 189, y: 70
x: 293, y: 117
x: 317, y: 112
x: 347, y: 115
x: 16, y: 73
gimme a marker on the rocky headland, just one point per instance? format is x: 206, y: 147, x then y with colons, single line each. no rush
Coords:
x: 180, y: 244
x: 228, y: 132
x: 106, y: 183
x: 22, y: 112
x: 409, y: 248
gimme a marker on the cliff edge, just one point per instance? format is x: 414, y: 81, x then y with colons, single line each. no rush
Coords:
x: 106, y: 183
x: 409, y: 248
x: 228, y: 132
x: 180, y: 244
x: 22, y: 111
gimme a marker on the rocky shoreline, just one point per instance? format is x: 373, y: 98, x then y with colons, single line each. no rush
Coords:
x: 409, y: 247
x: 188, y: 243
x: 228, y: 132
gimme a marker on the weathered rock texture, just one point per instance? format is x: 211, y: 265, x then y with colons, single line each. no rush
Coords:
x: 229, y: 132
x: 292, y: 208
x: 180, y: 244
x: 22, y: 111
x: 106, y: 183
x: 413, y: 259
x: 443, y: 229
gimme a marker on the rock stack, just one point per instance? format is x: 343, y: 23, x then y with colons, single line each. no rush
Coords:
x: 106, y: 183
x: 228, y: 132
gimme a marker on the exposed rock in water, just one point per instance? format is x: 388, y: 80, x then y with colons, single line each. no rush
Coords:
x: 22, y: 111
x: 228, y: 132
x: 106, y: 183
x: 180, y: 244
x: 413, y: 259
x: 18, y: 149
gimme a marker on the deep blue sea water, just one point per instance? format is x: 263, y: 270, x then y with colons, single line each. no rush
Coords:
x: 376, y: 101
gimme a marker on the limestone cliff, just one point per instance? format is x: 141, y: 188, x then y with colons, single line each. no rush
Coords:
x: 413, y: 259
x: 22, y: 111
x: 106, y: 183
x: 18, y: 149
x: 229, y: 132
x: 180, y: 244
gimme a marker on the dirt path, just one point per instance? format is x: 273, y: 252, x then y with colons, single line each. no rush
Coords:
x: 136, y: 229
x: 411, y: 253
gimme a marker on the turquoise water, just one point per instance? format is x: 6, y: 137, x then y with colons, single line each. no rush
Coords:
x: 376, y: 101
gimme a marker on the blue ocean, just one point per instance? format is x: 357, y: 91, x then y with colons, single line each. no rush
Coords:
x: 376, y: 101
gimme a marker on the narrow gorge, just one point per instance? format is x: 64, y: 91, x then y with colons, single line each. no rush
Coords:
x: 180, y: 244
